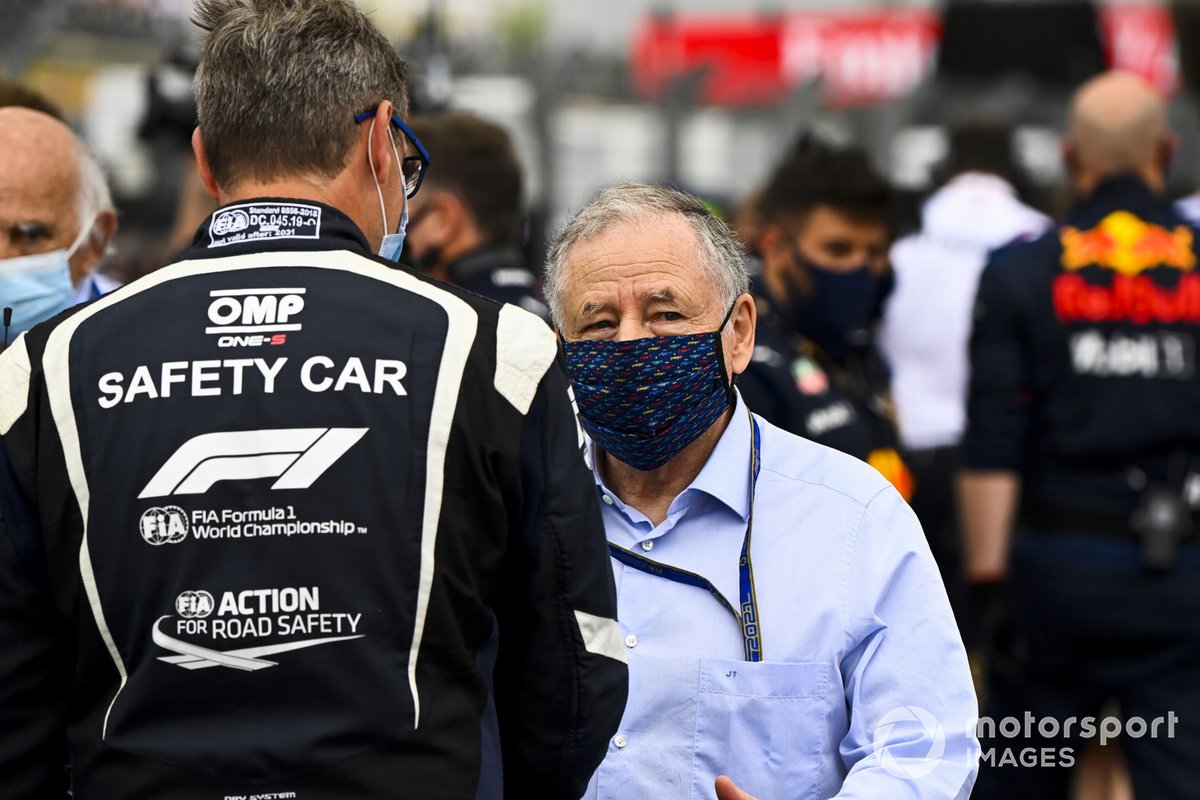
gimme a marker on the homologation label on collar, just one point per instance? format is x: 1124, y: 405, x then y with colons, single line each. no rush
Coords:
x: 250, y: 222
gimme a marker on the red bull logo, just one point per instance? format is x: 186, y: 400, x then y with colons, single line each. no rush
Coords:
x: 1127, y: 244
x: 1138, y: 299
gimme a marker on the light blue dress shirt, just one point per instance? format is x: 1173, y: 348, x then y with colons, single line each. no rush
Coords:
x: 864, y: 690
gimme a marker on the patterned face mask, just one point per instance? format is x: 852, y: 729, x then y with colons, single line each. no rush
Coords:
x: 644, y: 400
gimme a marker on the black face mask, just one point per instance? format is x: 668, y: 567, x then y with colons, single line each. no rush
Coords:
x: 834, y: 304
x: 427, y: 260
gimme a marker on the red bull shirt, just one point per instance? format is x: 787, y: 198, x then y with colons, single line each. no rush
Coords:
x: 1083, y: 353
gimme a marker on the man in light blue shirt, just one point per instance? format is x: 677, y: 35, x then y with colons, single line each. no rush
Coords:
x: 784, y: 621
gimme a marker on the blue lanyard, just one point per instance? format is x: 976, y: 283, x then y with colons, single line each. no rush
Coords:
x: 747, y: 612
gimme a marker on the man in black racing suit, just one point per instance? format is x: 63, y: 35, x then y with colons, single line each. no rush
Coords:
x: 283, y: 520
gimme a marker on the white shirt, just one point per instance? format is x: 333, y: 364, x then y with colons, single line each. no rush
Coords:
x: 927, y: 321
x: 94, y: 284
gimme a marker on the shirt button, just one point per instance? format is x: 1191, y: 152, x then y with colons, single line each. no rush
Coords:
x: 631, y: 641
x: 648, y: 545
x: 620, y: 741
x: 607, y: 499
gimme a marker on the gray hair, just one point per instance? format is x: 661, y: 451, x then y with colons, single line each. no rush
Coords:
x: 92, y: 194
x: 279, y: 83
x: 720, y: 254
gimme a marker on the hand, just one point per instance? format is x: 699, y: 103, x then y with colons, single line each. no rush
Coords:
x: 728, y: 790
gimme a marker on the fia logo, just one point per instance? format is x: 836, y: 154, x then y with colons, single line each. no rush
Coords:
x: 194, y: 604
x: 166, y: 525
x: 231, y: 221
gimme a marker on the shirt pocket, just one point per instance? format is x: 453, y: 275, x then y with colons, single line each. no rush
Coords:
x: 763, y: 725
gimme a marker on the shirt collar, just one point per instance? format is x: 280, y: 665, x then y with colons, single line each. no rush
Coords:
x: 1121, y: 192
x: 725, y: 476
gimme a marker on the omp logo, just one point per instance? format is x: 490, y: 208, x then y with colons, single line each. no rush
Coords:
x: 254, y: 310
x: 194, y: 604
x: 232, y: 221
x: 296, y: 456
x: 168, y: 525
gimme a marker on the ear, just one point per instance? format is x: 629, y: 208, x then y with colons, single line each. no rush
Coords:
x: 91, y: 251
x: 1167, y: 149
x: 772, y: 241
x: 777, y: 250
x: 1070, y: 156
x: 206, y: 175
x: 443, y: 217
x: 379, y: 142
x: 455, y: 218
x: 739, y: 342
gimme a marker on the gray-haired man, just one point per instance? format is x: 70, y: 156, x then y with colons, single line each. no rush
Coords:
x: 56, y: 219
x: 284, y: 519
x: 784, y: 620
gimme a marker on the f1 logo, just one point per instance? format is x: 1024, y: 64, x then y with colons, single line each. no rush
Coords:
x: 296, y: 456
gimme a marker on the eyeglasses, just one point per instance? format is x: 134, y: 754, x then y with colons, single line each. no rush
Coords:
x: 412, y: 167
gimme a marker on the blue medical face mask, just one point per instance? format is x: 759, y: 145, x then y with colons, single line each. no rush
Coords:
x: 36, y: 287
x: 644, y: 400
x: 392, y: 243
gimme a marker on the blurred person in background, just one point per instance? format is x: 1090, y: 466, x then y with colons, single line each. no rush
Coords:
x: 466, y: 227
x: 927, y: 321
x: 825, y: 226
x: 1082, y: 462
x: 746, y: 223
x: 781, y: 611
x: 18, y: 94
x: 56, y: 219
x: 285, y: 518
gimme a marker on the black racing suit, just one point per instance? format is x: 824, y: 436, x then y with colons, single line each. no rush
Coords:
x: 283, y: 520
